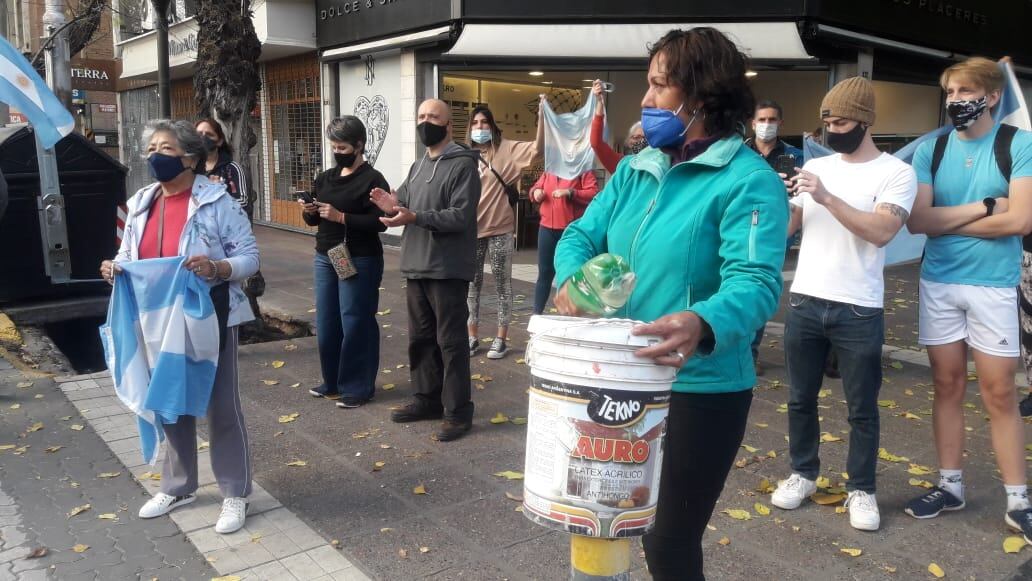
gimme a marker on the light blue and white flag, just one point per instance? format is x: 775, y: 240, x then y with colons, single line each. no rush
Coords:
x: 568, y: 152
x: 22, y: 88
x: 1011, y: 110
x: 161, y: 341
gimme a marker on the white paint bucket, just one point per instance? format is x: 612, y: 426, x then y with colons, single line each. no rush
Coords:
x: 595, y: 427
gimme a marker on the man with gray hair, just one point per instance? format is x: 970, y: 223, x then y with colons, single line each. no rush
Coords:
x: 437, y: 205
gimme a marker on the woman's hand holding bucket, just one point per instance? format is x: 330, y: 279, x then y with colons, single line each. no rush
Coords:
x: 681, y: 333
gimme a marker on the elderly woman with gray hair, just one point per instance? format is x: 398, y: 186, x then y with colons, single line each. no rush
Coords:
x: 348, y: 266
x: 185, y: 214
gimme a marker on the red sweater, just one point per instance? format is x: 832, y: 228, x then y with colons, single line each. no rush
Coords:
x: 177, y: 206
x: 606, y: 155
x: 557, y: 213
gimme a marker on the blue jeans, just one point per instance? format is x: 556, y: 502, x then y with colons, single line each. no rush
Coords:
x: 813, y: 327
x: 548, y: 239
x: 346, y: 326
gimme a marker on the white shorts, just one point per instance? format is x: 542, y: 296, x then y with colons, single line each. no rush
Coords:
x: 985, y: 317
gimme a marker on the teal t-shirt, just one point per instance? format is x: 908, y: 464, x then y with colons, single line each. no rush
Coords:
x: 969, y: 173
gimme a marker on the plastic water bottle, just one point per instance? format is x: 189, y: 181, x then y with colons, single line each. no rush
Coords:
x: 602, y: 285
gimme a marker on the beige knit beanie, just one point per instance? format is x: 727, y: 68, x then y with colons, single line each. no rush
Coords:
x: 852, y: 98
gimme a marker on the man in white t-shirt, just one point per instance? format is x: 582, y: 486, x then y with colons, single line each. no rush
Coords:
x: 850, y: 205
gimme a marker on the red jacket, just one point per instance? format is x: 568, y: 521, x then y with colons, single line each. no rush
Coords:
x: 557, y: 213
x: 606, y: 155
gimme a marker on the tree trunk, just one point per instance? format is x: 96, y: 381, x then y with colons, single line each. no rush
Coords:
x: 226, y: 86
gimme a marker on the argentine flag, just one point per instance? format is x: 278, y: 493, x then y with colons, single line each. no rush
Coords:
x: 22, y: 88
x: 161, y: 341
x: 1010, y: 110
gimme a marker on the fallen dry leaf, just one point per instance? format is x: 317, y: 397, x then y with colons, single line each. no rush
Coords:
x: 37, y: 553
x: 286, y: 419
x: 750, y: 449
x: 919, y: 470
x: 500, y: 418
x: 108, y: 516
x: 888, y: 569
x: 514, y: 496
x: 518, y: 421
x: 936, y: 570
x: 772, y: 454
x: 270, y: 382
x: 765, y: 487
x: 852, y: 552
x: 298, y: 384
x: 403, y: 553
x: 889, y: 457
x: 277, y: 364
x: 829, y: 437
x: 277, y: 434
x: 911, y: 416
x: 290, y: 347
x: 1013, y: 544
x: 896, y: 365
x: 724, y: 541
x: 388, y: 386
x: 15, y: 406
x: 510, y: 475
x: 203, y: 445
x: 825, y: 499
x: 386, y: 530
x: 225, y: 577
x: 5, y: 447
x: 841, y: 510
x: 823, y: 482
x: 25, y: 384
x: 297, y: 463
x: 887, y: 403
x: 761, y: 509
x: 79, y: 510
x: 377, y: 466
x: 419, y: 489
x: 80, y: 548
x: 385, y: 446
x: 738, y: 514
x: 424, y: 549
x: 256, y: 537
x: 35, y: 427
x: 150, y: 476
x: 52, y: 449
x: 920, y: 483
x: 76, y: 427
x: 38, y: 396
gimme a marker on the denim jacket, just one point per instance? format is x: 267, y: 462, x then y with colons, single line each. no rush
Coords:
x: 216, y: 227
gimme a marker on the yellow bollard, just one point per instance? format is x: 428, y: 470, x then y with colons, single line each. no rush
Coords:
x: 594, y: 559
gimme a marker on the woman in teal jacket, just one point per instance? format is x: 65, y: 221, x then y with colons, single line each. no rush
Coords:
x: 702, y: 220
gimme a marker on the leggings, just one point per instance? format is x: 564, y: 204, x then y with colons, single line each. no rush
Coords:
x: 500, y: 248
x: 1025, y: 312
x: 703, y: 435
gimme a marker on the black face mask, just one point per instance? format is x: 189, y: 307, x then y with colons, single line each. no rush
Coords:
x: 345, y: 159
x: 431, y: 134
x: 209, y: 143
x: 847, y: 142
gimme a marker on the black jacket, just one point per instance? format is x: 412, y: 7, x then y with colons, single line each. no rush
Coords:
x: 234, y: 179
x: 349, y: 194
x: 3, y: 195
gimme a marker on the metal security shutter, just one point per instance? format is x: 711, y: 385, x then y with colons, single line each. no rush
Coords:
x: 138, y: 106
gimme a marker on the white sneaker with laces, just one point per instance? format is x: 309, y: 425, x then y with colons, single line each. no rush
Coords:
x: 161, y: 504
x: 498, y: 349
x: 231, y: 519
x: 792, y: 492
x: 863, y: 511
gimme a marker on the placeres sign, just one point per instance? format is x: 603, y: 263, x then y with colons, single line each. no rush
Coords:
x: 342, y: 22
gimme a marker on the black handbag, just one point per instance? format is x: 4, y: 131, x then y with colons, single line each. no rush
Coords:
x: 511, y: 191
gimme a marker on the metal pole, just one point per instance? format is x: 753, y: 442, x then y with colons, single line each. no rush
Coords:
x: 164, y: 84
x: 594, y: 559
x: 59, y: 70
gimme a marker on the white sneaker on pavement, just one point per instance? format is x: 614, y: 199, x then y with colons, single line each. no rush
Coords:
x: 231, y: 519
x: 863, y: 511
x: 161, y: 504
x: 792, y: 492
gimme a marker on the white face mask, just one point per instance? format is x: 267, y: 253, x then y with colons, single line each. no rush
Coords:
x: 766, y: 131
x: 480, y: 135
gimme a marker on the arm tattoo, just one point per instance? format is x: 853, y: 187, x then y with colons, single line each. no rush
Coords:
x: 886, y: 208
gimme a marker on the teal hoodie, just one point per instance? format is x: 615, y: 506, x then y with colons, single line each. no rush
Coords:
x: 706, y: 235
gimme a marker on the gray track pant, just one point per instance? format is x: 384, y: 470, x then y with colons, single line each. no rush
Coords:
x: 230, y: 454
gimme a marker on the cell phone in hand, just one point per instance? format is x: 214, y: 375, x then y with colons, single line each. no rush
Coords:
x: 785, y: 164
x: 305, y: 196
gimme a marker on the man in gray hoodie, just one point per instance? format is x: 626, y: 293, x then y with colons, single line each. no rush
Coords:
x: 437, y: 205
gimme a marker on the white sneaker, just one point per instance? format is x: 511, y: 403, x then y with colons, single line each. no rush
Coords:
x: 231, y: 519
x: 863, y: 511
x: 792, y: 492
x: 162, y: 503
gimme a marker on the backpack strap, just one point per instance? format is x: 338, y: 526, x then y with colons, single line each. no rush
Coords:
x: 939, y: 152
x: 1002, y: 149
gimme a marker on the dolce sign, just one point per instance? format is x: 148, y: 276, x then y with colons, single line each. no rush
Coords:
x: 351, y: 7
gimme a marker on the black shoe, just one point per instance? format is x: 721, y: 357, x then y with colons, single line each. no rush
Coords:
x: 474, y: 345
x: 452, y: 430
x: 1026, y: 406
x: 931, y: 504
x: 322, y: 391
x: 1021, y: 520
x: 353, y: 402
x: 414, y: 412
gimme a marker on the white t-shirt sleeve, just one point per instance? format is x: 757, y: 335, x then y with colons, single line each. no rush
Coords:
x: 813, y: 166
x: 900, y: 188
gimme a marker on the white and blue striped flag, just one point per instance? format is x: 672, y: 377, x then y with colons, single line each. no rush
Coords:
x: 1011, y: 110
x: 22, y: 88
x: 161, y: 341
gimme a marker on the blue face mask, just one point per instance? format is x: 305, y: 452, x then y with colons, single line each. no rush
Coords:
x: 663, y: 127
x: 165, y: 168
x: 480, y: 135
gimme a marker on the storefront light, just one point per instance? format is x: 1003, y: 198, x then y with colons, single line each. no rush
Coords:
x: 536, y: 73
x: 546, y: 82
x: 751, y: 74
